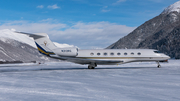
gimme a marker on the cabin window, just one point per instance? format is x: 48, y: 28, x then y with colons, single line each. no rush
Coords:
x: 118, y: 53
x: 91, y: 54
x: 112, y: 53
x: 139, y: 53
x: 105, y: 54
x: 98, y: 54
x: 132, y: 53
x: 125, y: 53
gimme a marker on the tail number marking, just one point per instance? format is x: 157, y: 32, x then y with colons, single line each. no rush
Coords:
x: 65, y: 50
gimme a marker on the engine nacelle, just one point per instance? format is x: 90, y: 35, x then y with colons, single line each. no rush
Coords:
x: 70, y: 52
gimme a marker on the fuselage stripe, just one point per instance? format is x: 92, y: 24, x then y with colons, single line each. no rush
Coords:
x: 41, y: 50
x: 114, y: 57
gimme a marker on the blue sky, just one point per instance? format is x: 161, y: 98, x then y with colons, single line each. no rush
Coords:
x: 83, y: 23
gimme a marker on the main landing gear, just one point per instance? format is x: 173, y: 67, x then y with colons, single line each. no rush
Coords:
x: 92, y: 66
x: 158, y: 64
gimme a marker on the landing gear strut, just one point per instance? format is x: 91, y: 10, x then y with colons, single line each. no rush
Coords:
x: 92, y: 66
x: 158, y: 64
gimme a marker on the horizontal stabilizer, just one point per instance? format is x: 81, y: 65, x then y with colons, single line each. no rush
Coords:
x: 35, y: 36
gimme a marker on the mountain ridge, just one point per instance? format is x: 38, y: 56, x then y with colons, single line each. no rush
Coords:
x: 12, y: 50
x: 172, y: 8
x: 152, y: 32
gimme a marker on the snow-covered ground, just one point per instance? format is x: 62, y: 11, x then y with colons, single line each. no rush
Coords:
x: 66, y: 81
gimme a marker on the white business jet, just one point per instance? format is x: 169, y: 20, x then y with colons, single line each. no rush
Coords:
x: 98, y: 56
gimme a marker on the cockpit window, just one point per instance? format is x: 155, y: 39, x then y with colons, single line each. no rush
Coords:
x: 157, y: 52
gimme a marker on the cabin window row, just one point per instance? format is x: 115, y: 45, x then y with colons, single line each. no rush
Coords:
x: 105, y: 54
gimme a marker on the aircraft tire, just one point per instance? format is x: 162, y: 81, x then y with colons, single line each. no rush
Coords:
x: 90, y: 67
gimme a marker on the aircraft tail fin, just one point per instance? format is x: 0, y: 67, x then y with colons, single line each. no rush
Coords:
x: 43, y: 43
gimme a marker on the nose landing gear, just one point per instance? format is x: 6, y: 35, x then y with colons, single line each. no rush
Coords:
x: 159, y: 66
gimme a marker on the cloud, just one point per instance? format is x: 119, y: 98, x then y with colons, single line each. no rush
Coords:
x: 93, y: 35
x: 118, y: 1
x: 84, y: 35
x: 49, y: 7
x: 105, y: 9
x: 63, y: 45
x: 40, y: 6
x: 41, y: 26
x: 157, y: 1
x: 53, y: 6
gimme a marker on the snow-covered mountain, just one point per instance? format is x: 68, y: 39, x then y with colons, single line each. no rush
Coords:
x: 172, y: 8
x: 12, y: 50
x: 19, y: 47
x: 162, y: 33
x: 10, y: 34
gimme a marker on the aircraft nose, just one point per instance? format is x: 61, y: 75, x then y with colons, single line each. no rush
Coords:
x: 168, y: 57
